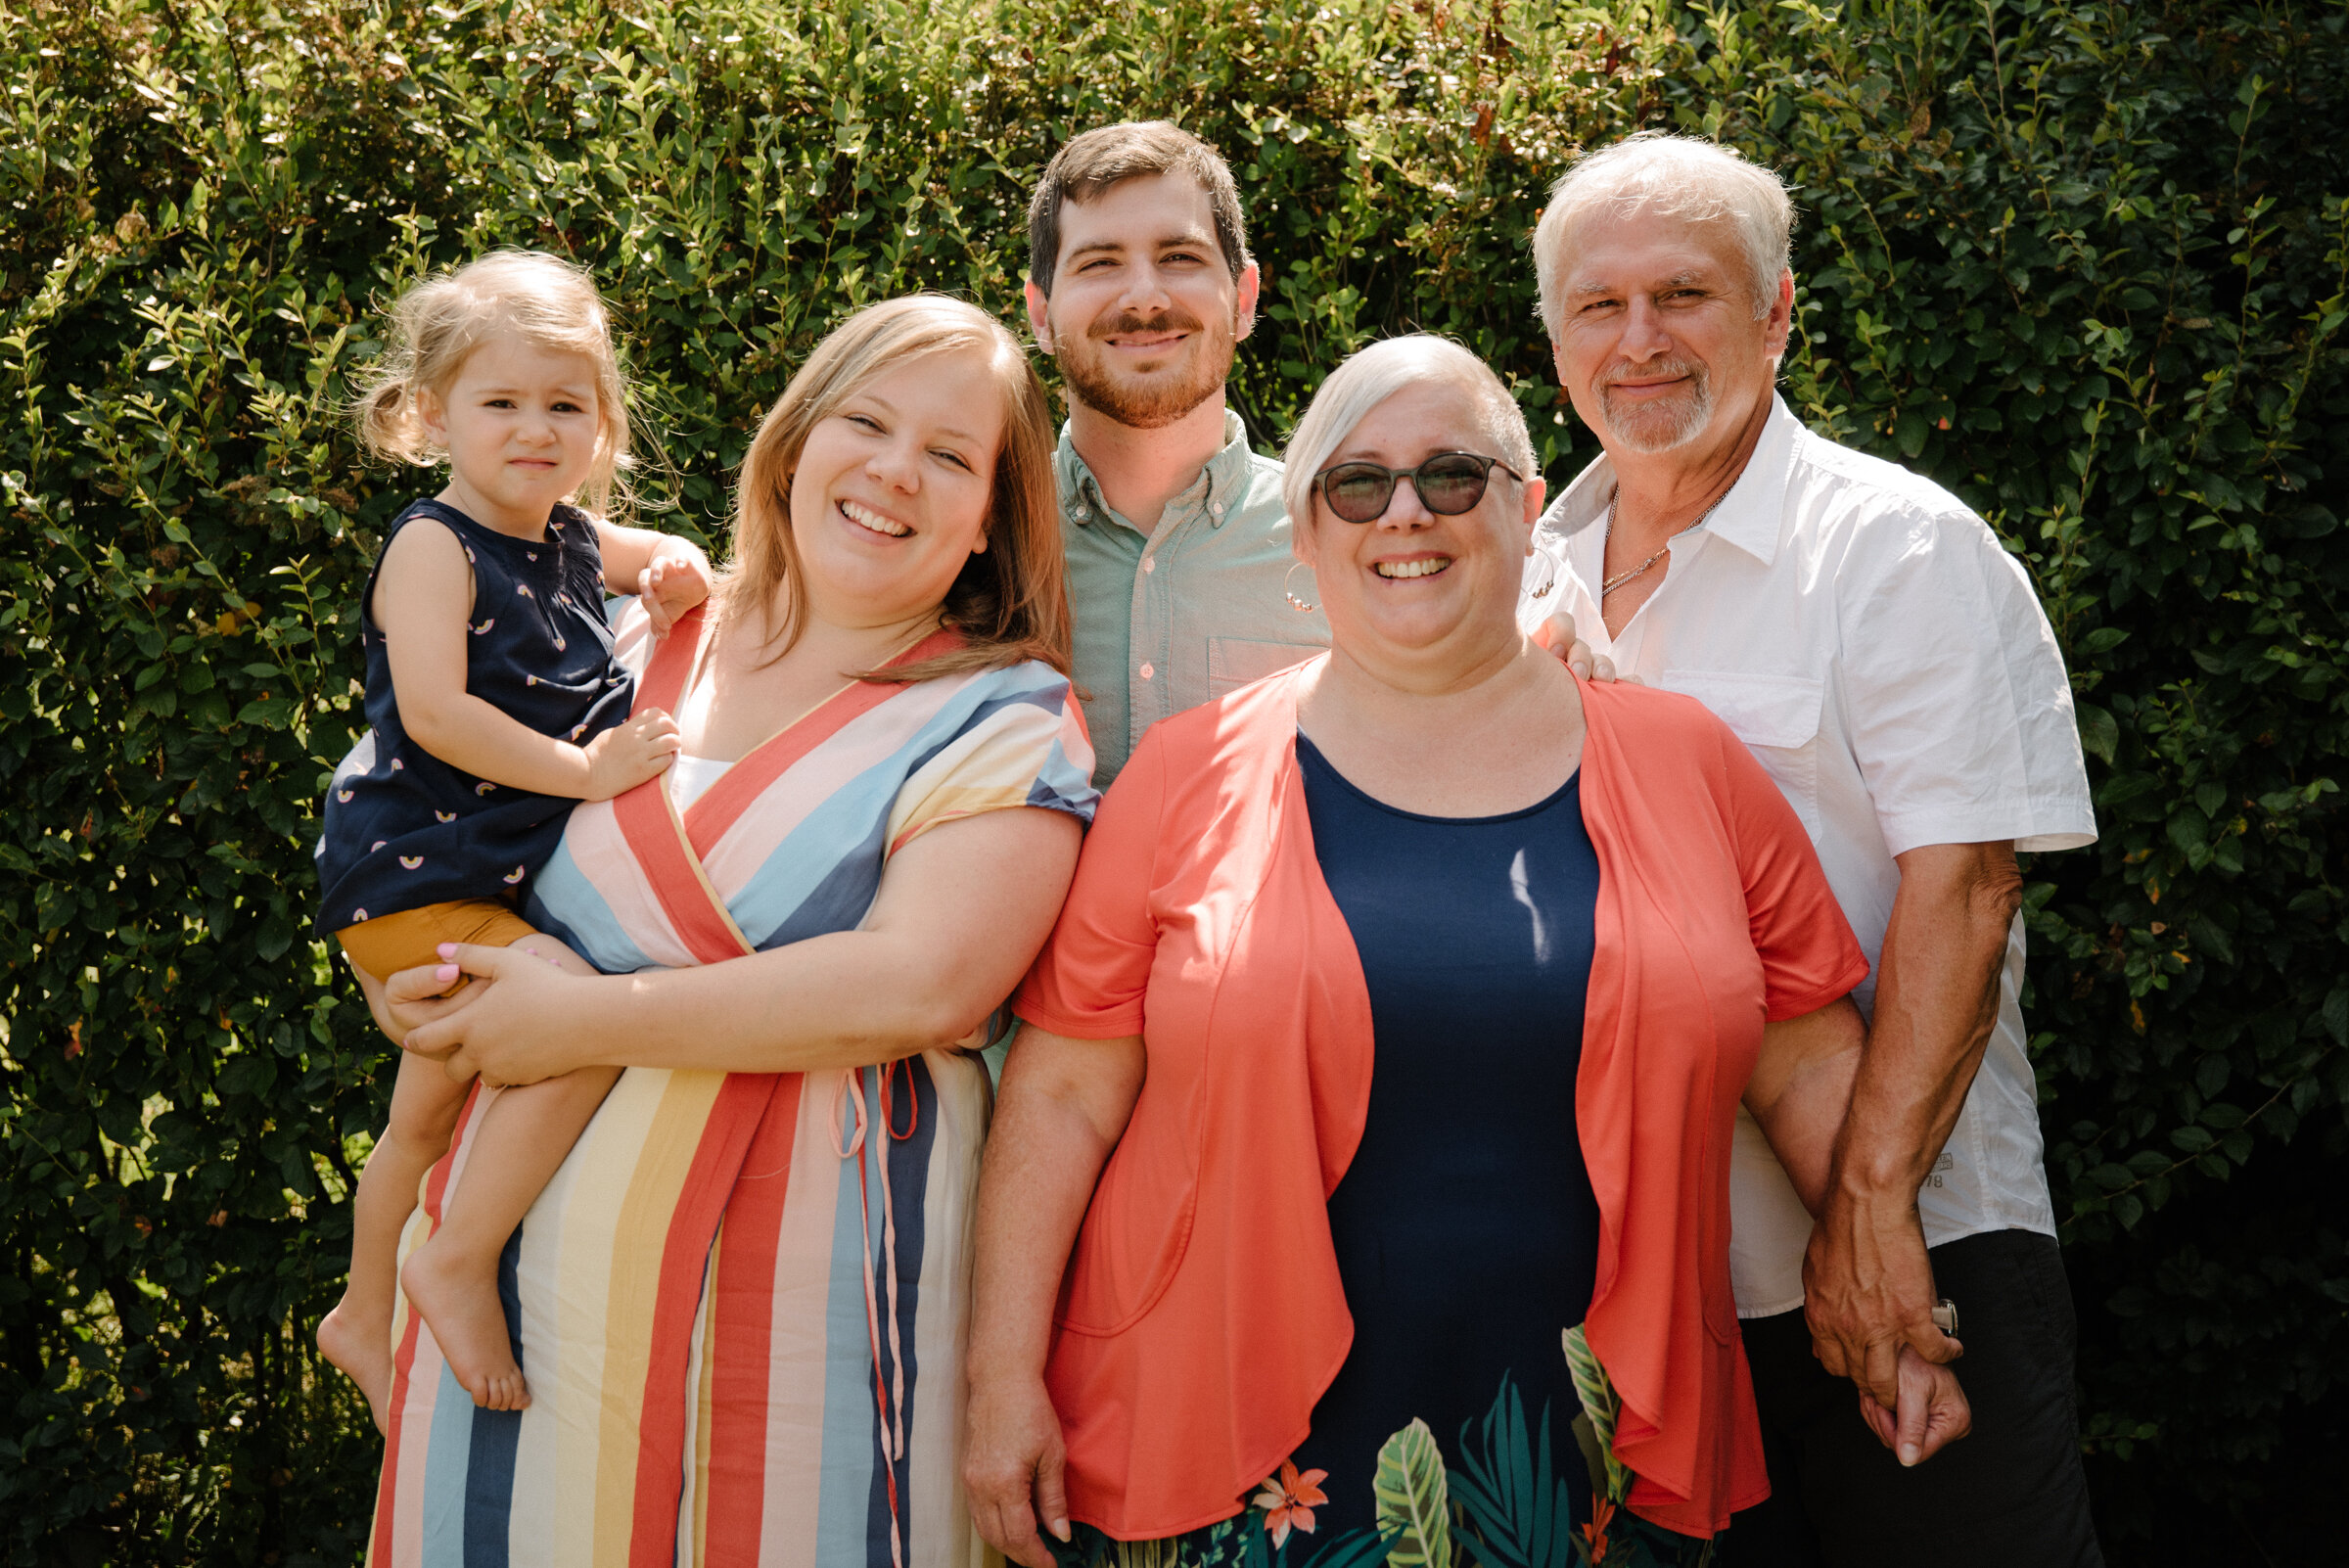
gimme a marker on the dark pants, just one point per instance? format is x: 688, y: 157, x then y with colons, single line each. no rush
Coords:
x: 2011, y: 1493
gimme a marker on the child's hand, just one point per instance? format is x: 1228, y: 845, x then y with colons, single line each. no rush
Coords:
x: 627, y: 755
x: 677, y: 579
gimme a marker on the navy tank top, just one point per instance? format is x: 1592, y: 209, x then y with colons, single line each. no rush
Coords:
x: 1466, y: 1229
x: 403, y: 828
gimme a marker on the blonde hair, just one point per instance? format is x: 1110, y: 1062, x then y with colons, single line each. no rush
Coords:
x: 1010, y: 601
x: 1685, y: 177
x: 1377, y: 373
x: 437, y: 323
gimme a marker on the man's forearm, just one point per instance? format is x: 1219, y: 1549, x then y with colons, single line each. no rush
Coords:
x: 1937, y: 1000
x: 1868, y: 1282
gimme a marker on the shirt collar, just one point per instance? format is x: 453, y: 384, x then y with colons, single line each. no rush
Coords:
x: 1218, y: 487
x: 1749, y: 516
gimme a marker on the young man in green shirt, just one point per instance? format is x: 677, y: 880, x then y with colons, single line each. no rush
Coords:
x: 1181, y: 580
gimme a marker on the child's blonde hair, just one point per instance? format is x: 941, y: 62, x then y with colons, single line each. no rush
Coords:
x: 439, y: 322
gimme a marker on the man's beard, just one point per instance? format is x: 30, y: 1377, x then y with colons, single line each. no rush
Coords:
x: 1159, y: 402
x: 1668, y: 422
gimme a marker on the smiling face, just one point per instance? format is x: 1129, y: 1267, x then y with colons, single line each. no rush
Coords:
x: 1659, y: 348
x: 1414, y: 587
x: 891, y: 491
x: 1144, y: 312
x: 523, y: 427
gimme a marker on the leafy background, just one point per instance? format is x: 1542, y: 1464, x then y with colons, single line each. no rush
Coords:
x: 2087, y: 263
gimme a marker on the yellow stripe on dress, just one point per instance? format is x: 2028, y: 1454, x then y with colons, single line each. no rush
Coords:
x: 640, y: 1238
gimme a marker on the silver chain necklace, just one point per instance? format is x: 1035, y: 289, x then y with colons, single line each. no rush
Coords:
x: 1614, y: 497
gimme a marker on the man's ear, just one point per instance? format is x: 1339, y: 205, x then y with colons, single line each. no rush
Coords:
x: 1780, y: 323
x: 1039, y: 321
x: 1251, y: 284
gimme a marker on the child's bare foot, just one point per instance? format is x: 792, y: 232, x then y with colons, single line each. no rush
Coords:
x: 360, y: 1344
x: 469, y: 1321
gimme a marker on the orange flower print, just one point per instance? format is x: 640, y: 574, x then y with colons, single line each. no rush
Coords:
x: 1595, y: 1532
x: 1289, y: 1500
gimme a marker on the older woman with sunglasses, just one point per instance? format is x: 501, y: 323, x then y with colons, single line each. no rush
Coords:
x: 1395, y: 1024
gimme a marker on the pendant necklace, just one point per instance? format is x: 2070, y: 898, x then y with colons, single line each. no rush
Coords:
x: 1614, y: 497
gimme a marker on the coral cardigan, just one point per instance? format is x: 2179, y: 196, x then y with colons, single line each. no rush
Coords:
x: 1202, y: 1316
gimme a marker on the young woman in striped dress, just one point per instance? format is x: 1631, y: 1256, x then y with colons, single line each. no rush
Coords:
x: 741, y: 1302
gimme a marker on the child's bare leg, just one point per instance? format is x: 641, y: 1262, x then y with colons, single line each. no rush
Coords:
x: 452, y: 1278
x: 356, y: 1336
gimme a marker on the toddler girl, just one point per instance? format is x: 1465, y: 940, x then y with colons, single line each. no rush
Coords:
x: 495, y: 703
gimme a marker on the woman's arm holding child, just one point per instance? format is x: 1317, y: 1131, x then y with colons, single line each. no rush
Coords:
x: 423, y: 598
x: 668, y: 574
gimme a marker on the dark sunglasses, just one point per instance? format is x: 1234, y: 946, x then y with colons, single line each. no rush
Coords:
x: 1449, y: 483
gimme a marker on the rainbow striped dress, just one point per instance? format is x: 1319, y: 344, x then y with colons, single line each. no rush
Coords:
x: 741, y: 1302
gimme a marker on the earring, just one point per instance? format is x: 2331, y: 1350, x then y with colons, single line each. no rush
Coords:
x: 1295, y: 602
x: 1543, y: 592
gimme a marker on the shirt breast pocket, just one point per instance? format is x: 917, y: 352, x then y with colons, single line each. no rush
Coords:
x: 1234, y: 661
x: 1778, y: 716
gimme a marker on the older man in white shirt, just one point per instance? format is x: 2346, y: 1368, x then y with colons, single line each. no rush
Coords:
x: 1864, y: 632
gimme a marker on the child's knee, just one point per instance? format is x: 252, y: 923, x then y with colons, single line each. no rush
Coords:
x: 424, y: 1125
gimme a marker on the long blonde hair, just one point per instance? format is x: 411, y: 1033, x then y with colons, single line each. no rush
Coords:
x: 437, y: 323
x: 1010, y: 601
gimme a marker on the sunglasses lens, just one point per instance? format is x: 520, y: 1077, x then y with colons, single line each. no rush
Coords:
x: 1450, y: 486
x: 1358, y: 493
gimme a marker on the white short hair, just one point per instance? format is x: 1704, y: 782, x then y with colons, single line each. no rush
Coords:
x: 1685, y: 177
x: 1377, y: 373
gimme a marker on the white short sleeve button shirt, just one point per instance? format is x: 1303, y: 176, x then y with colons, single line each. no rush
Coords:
x: 1887, y: 661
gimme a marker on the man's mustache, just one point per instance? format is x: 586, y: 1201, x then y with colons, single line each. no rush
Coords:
x: 1616, y: 375
x: 1127, y: 322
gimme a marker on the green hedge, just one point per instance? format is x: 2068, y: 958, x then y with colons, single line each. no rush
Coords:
x: 2086, y: 264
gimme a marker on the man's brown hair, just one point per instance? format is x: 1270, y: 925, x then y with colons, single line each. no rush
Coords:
x: 1111, y: 154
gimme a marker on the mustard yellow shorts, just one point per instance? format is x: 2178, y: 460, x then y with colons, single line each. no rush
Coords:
x: 412, y: 938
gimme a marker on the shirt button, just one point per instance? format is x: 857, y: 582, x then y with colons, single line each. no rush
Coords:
x: 1148, y: 671
x: 1149, y: 563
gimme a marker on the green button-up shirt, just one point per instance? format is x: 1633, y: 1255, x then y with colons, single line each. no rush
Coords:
x: 1169, y: 618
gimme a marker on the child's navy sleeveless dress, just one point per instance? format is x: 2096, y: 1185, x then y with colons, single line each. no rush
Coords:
x: 403, y: 828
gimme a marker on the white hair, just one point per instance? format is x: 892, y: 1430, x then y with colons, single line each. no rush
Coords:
x: 1377, y: 373
x: 1684, y: 177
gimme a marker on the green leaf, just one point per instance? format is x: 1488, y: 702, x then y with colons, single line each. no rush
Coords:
x: 2102, y: 640
x: 1602, y: 1403
x: 2099, y: 732
x: 2213, y: 942
x: 1414, y: 1498
x: 1519, y: 1509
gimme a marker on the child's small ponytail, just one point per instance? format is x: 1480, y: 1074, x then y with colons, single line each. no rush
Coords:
x: 390, y: 426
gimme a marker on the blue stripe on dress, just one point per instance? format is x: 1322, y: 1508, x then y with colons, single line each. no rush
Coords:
x: 489, y: 1470
x: 908, y: 1187
x: 842, y: 1532
x: 587, y: 925
x: 809, y: 886
x: 448, y: 1459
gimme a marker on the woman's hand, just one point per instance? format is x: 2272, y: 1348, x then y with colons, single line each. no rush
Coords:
x: 1063, y: 1106
x: 1012, y: 1461
x: 520, y: 1020
x: 1933, y: 1412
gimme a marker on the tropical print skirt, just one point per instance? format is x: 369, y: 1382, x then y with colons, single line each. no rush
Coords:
x: 1503, y: 1493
